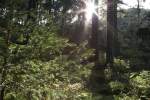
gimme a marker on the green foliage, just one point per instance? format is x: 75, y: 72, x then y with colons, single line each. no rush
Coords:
x: 121, y: 66
x: 116, y: 86
x: 44, y: 63
x: 50, y: 67
x: 140, y: 83
x: 125, y: 97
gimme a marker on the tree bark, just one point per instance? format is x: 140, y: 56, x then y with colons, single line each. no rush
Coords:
x: 94, y: 37
x: 138, y: 10
x: 2, y: 93
x: 116, y: 36
x: 111, y: 30
x: 3, y: 76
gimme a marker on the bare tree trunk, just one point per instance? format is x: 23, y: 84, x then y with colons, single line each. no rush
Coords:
x: 116, y: 36
x: 111, y: 30
x: 4, y: 69
x: 94, y: 41
x: 138, y: 10
x: 2, y: 90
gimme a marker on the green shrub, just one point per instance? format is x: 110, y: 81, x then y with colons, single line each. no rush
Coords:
x: 141, y: 83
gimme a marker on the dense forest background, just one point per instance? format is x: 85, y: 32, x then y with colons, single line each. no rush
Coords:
x: 74, y: 50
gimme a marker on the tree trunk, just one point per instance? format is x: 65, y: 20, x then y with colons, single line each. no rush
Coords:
x: 138, y: 10
x: 94, y: 41
x: 116, y: 38
x: 111, y: 30
x: 2, y: 89
x: 3, y: 76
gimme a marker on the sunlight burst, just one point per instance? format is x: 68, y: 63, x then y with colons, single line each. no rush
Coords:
x: 90, y: 9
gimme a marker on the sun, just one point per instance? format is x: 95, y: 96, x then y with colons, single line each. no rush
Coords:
x: 90, y: 9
